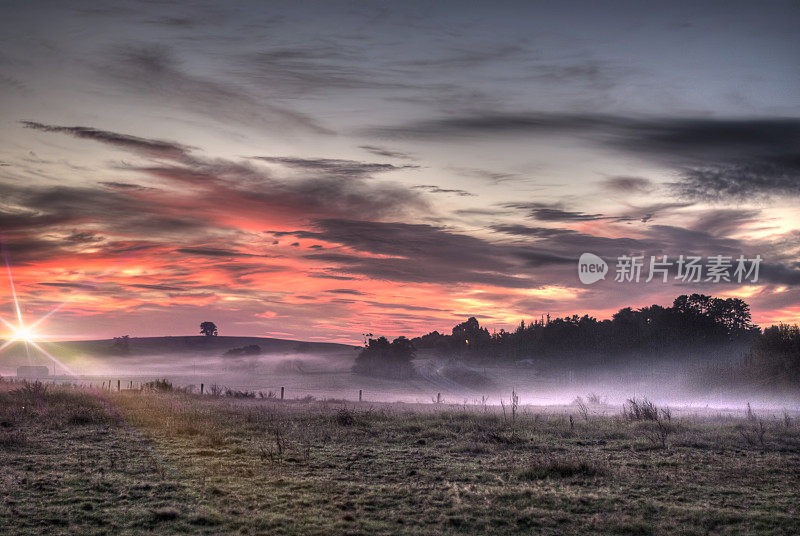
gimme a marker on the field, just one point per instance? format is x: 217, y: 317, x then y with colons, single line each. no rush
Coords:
x: 87, y: 461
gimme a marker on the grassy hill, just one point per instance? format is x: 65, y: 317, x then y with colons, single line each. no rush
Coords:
x: 194, y: 345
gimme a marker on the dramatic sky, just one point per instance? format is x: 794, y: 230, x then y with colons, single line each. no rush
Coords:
x: 320, y: 170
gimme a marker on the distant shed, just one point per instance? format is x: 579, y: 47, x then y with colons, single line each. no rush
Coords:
x: 32, y: 372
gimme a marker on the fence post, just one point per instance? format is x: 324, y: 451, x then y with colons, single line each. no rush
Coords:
x: 201, y: 388
x: 438, y: 398
x: 281, y: 393
x: 359, y: 395
x: 118, y: 389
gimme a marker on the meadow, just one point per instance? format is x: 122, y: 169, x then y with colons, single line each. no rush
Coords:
x: 163, y: 461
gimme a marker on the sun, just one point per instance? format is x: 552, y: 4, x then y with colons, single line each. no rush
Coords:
x: 24, y: 334
x: 20, y: 332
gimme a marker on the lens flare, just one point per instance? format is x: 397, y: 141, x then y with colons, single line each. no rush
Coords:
x: 26, y: 334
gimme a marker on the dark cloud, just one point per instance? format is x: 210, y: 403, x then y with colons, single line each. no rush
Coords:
x: 124, y: 185
x: 166, y: 288
x: 740, y: 181
x: 628, y: 184
x: 552, y: 212
x: 332, y: 276
x: 436, y: 190
x: 499, y: 124
x: 419, y: 253
x: 388, y: 153
x: 214, y: 252
x: 537, y: 232
x: 211, y: 184
x: 492, y: 177
x: 150, y: 147
x: 717, y: 158
x: 332, y: 166
x: 349, y: 291
x: 53, y: 206
x: 79, y: 286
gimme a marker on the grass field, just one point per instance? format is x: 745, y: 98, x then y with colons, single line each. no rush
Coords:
x: 96, y: 462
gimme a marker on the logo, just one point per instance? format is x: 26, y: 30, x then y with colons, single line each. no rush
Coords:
x: 591, y: 268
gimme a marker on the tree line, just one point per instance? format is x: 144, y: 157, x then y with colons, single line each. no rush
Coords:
x: 695, y: 327
x: 693, y: 322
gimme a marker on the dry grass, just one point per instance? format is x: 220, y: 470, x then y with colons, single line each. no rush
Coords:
x: 166, y: 462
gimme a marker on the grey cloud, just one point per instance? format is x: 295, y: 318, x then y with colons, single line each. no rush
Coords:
x: 214, y: 252
x: 333, y: 166
x: 717, y: 158
x: 417, y: 252
x: 151, y: 147
x: 388, y: 153
x: 321, y: 69
x: 550, y: 212
x: 628, y: 184
x: 124, y: 185
x: 155, y: 71
x: 538, y: 232
x: 168, y: 288
x: 436, y: 190
x: 79, y: 286
x: 348, y: 291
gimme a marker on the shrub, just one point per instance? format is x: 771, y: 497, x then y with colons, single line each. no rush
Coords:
x: 159, y: 385
x: 232, y: 393
x: 31, y: 392
x: 345, y: 417
x: 561, y: 467
x: 640, y: 410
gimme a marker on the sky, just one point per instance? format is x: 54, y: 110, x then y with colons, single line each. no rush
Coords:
x: 320, y: 170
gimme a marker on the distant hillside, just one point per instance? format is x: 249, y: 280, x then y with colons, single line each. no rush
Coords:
x: 216, y: 346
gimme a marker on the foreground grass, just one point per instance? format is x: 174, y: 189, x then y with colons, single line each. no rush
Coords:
x: 79, y: 462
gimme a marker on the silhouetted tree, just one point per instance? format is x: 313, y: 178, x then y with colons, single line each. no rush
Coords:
x: 470, y: 336
x: 385, y: 359
x: 209, y: 329
x: 774, y: 360
x: 694, y: 325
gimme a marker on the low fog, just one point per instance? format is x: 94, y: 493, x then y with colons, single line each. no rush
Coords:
x: 329, y: 375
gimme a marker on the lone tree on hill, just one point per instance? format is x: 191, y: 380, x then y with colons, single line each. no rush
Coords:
x: 209, y: 329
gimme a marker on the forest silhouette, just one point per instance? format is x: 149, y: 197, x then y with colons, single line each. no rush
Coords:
x: 695, y: 331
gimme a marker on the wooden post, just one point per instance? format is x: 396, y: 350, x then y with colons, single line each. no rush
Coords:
x: 131, y: 385
x: 118, y: 389
x: 359, y: 395
x: 281, y: 393
x: 438, y: 398
x: 201, y: 388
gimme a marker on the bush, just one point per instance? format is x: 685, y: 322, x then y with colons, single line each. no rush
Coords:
x: 345, y: 417
x: 640, y: 410
x: 561, y: 467
x: 159, y: 385
x: 232, y: 393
